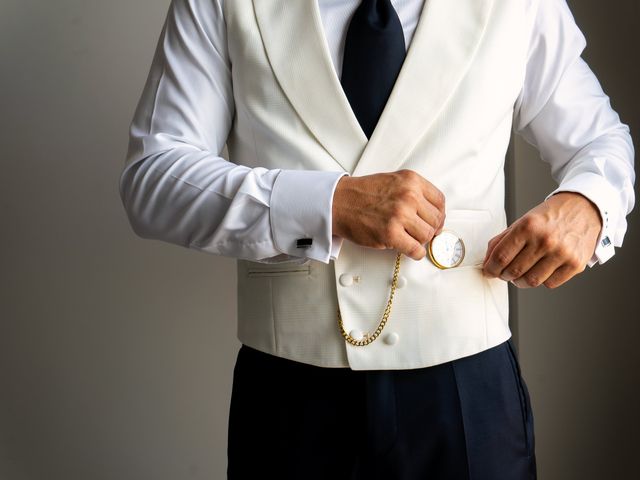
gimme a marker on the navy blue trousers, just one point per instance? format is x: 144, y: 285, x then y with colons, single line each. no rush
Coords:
x: 467, y: 419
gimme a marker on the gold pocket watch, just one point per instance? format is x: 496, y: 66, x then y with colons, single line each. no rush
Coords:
x: 446, y: 250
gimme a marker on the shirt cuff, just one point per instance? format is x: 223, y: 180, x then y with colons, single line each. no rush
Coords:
x: 336, y: 245
x: 301, y: 213
x: 603, y: 196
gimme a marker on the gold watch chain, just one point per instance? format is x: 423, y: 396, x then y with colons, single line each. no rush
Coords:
x: 368, y: 338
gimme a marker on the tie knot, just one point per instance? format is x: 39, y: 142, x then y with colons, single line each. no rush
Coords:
x: 378, y: 13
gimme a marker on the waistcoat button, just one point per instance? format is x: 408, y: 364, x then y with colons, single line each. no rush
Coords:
x: 346, y: 279
x: 357, y: 334
x: 402, y: 281
x: 391, y: 338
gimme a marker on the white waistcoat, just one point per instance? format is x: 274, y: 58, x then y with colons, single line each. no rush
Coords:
x: 448, y: 117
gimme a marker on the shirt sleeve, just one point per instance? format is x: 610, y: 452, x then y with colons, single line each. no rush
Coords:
x: 176, y: 187
x: 564, y: 113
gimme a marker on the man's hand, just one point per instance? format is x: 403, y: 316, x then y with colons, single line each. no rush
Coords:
x: 398, y: 210
x: 548, y: 245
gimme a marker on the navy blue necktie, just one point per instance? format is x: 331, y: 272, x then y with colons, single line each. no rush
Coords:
x: 373, y: 55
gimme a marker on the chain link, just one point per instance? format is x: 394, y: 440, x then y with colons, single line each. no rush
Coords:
x: 368, y: 338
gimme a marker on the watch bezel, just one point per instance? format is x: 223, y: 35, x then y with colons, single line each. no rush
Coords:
x: 432, y: 256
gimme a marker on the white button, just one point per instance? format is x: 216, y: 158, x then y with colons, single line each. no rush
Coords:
x: 346, y: 279
x: 402, y: 281
x: 391, y: 338
x: 357, y: 334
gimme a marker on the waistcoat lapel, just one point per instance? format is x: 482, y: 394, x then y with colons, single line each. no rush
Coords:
x: 442, y: 48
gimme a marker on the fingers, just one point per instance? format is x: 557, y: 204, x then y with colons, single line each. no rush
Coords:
x: 420, y: 230
x: 522, y: 262
x: 432, y: 194
x: 420, y: 212
x: 538, y: 273
x: 528, y: 260
x: 562, y: 274
x: 408, y: 245
x: 429, y: 191
x: 503, y: 253
x: 493, y: 242
x: 551, y: 274
x: 431, y: 215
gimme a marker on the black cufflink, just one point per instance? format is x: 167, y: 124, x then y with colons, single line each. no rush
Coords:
x: 304, y: 242
x: 606, y: 241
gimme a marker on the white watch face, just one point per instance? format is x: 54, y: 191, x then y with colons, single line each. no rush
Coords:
x: 446, y: 249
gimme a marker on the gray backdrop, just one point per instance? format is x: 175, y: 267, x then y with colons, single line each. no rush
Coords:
x: 116, y: 353
x: 579, y: 343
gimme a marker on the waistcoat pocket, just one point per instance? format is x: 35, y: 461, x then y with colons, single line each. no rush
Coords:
x: 475, y: 228
x: 258, y: 269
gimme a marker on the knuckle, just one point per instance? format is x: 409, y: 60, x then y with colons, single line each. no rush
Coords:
x: 408, y: 174
x: 564, y: 252
x: 530, y: 223
x: 388, y: 232
x: 426, y: 234
x: 548, y: 242
x: 408, y: 195
x: 417, y: 251
x: 515, y: 272
x: 532, y: 280
x: 501, y: 258
x: 575, y: 264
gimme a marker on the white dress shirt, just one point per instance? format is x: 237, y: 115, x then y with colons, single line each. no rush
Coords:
x: 188, y: 193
